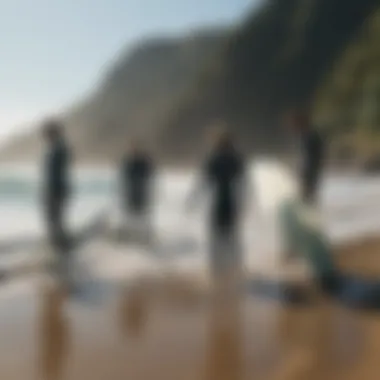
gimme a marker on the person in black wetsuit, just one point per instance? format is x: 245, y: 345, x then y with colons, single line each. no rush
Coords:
x: 353, y: 290
x: 137, y: 171
x: 223, y: 174
x: 56, y: 177
x: 312, y: 153
x: 224, y: 171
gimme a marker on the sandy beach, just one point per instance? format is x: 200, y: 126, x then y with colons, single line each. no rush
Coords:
x: 147, y: 331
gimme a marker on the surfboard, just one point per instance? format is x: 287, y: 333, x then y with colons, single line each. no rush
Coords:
x: 274, y: 184
x: 298, y: 226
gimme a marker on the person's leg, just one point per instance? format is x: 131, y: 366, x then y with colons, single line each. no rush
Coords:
x: 51, y: 222
x: 65, y: 233
x: 142, y: 222
x: 225, y: 257
x: 147, y: 229
x: 289, y: 233
x: 236, y: 252
x: 124, y: 219
x: 233, y: 260
x: 310, y: 190
x: 127, y: 228
x: 215, y: 252
x: 60, y: 233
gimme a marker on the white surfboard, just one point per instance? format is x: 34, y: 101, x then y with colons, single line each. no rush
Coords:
x: 275, y: 184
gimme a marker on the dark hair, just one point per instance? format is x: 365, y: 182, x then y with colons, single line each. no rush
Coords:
x: 299, y: 116
x: 224, y: 141
x: 52, y: 128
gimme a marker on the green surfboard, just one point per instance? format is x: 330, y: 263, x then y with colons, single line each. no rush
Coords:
x: 304, y: 236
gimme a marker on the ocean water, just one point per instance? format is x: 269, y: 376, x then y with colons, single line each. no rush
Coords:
x: 350, y: 210
x: 20, y: 200
x: 350, y: 204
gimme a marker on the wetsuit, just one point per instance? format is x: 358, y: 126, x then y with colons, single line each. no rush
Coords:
x: 137, y: 172
x: 224, y: 174
x: 56, y: 192
x: 312, y: 157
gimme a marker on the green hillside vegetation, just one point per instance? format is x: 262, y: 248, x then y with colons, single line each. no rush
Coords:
x: 280, y: 58
x: 348, y: 103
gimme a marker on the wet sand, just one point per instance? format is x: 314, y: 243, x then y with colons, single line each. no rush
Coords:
x: 171, y: 331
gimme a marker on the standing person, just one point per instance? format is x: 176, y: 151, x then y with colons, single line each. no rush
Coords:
x: 223, y: 174
x: 312, y: 153
x: 56, y: 173
x: 137, y: 170
x: 311, y: 146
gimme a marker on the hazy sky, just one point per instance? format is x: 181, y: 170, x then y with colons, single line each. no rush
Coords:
x: 53, y: 51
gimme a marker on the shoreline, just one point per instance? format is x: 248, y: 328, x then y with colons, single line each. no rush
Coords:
x: 47, y: 334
